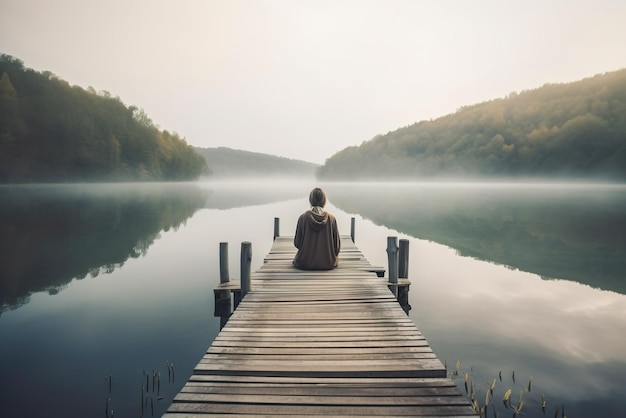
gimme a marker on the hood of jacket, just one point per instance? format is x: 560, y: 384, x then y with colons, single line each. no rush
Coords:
x: 316, y: 220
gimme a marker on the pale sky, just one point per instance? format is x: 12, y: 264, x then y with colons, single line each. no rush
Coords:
x: 305, y: 79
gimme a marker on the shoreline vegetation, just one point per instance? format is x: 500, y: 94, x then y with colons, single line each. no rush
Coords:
x: 228, y: 163
x: 52, y: 132
x: 559, y: 131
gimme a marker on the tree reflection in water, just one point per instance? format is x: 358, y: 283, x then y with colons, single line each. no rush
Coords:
x: 51, y: 235
x: 572, y: 232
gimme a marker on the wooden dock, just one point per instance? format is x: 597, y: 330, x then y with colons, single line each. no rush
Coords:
x: 319, y: 343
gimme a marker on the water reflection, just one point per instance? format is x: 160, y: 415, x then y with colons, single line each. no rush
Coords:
x: 573, y: 232
x: 569, y: 337
x: 53, y: 234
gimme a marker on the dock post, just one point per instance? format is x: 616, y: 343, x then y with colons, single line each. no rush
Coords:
x: 403, y: 259
x: 392, y: 258
x: 222, y: 294
x: 276, y: 228
x: 403, y: 273
x: 352, y: 228
x: 224, y: 276
x: 246, y: 261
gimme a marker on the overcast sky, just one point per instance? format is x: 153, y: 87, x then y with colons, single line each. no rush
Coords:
x: 305, y: 79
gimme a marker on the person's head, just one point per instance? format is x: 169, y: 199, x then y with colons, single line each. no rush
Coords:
x: 317, y: 197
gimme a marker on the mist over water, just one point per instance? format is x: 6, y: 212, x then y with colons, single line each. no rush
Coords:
x: 118, y: 279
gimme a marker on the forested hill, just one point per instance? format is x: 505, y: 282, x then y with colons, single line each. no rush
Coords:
x: 51, y: 131
x: 576, y: 129
x: 231, y: 163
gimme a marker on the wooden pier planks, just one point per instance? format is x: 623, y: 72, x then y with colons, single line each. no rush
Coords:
x: 326, y: 343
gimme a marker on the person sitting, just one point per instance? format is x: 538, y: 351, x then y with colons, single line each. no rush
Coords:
x: 317, y: 236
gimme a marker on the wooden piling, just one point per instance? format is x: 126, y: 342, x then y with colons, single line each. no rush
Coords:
x: 352, y: 228
x: 403, y: 259
x: 276, y: 228
x: 224, y: 276
x: 246, y: 262
x: 392, y: 259
x: 403, y: 274
x: 223, y: 292
x: 244, y: 275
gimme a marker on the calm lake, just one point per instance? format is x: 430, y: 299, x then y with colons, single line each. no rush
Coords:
x: 102, y: 287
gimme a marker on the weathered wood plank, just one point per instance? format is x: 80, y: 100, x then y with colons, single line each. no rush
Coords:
x: 324, y: 414
x: 302, y: 350
x: 320, y: 410
x: 327, y: 344
x: 308, y: 399
x: 329, y: 381
x: 212, y: 357
x: 314, y: 390
x: 296, y: 327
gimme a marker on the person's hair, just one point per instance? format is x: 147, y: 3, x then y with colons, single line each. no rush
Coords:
x: 317, y: 197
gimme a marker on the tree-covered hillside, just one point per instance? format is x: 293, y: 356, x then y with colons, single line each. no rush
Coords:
x: 51, y: 131
x: 231, y: 163
x: 575, y: 129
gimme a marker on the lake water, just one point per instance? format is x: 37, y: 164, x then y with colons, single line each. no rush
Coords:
x: 103, y: 284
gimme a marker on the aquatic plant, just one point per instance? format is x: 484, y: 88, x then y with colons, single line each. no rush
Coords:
x: 480, y: 391
x: 150, y: 390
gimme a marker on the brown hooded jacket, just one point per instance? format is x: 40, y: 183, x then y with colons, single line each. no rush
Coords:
x: 317, y: 240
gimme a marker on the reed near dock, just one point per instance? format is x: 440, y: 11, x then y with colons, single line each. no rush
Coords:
x: 318, y: 343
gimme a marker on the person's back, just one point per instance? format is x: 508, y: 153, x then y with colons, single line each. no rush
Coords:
x: 317, y: 236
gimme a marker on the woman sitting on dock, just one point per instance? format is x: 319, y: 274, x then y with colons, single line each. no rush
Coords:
x: 317, y: 236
